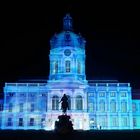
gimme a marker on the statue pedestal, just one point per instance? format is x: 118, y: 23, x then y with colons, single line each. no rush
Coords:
x: 63, y: 125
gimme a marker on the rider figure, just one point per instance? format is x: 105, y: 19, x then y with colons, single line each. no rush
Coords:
x: 64, y: 104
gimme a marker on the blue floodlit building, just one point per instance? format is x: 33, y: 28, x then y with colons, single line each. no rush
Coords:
x: 92, y: 104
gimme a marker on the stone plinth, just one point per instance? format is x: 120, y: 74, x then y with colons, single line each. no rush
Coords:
x: 64, y: 124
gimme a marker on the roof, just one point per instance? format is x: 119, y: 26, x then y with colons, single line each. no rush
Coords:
x: 67, y: 38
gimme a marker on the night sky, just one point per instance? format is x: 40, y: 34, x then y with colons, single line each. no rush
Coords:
x: 110, y: 29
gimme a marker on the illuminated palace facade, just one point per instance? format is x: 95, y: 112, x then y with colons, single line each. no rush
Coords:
x: 35, y: 105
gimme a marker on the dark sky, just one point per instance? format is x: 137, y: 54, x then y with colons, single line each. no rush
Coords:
x: 110, y: 29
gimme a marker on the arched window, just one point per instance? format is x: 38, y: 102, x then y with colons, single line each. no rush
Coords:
x: 69, y: 102
x: 67, y: 66
x: 55, y: 103
x: 102, y: 106
x: 56, y: 66
x: 79, y: 67
x: 79, y: 103
x: 124, y: 106
x: 113, y: 106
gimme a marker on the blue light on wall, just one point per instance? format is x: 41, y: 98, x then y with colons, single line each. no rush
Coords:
x: 93, y: 105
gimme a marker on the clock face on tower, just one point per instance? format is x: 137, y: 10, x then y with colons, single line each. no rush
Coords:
x: 67, y: 52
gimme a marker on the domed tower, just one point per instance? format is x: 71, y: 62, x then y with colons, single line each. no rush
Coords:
x: 67, y: 54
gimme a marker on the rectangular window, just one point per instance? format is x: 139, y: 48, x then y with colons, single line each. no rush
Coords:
x: 112, y: 94
x: 11, y: 94
x: 9, y: 122
x: 102, y: 106
x: 79, y: 67
x: 90, y: 94
x: 134, y: 107
x: 114, y: 121
x: 124, y: 107
x: 10, y: 107
x: 44, y: 94
x: 134, y: 122
x: 1, y: 107
x: 55, y: 103
x: 123, y: 94
x: 42, y: 122
x: 113, y: 106
x: 56, y: 67
x: 101, y: 94
x: 103, y: 122
x: 31, y: 123
x: 91, y: 107
x: 124, y: 121
x: 32, y: 94
x: 21, y: 107
x: 32, y: 107
x: 20, y: 122
x: 92, y: 123
x: 79, y: 103
x: 67, y: 65
x: 22, y: 94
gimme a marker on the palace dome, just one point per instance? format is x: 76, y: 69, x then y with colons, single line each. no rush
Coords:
x: 67, y: 37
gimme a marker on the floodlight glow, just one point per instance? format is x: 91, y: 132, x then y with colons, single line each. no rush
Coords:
x: 101, y: 105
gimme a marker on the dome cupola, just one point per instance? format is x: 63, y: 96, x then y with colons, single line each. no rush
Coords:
x: 67, y: 37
